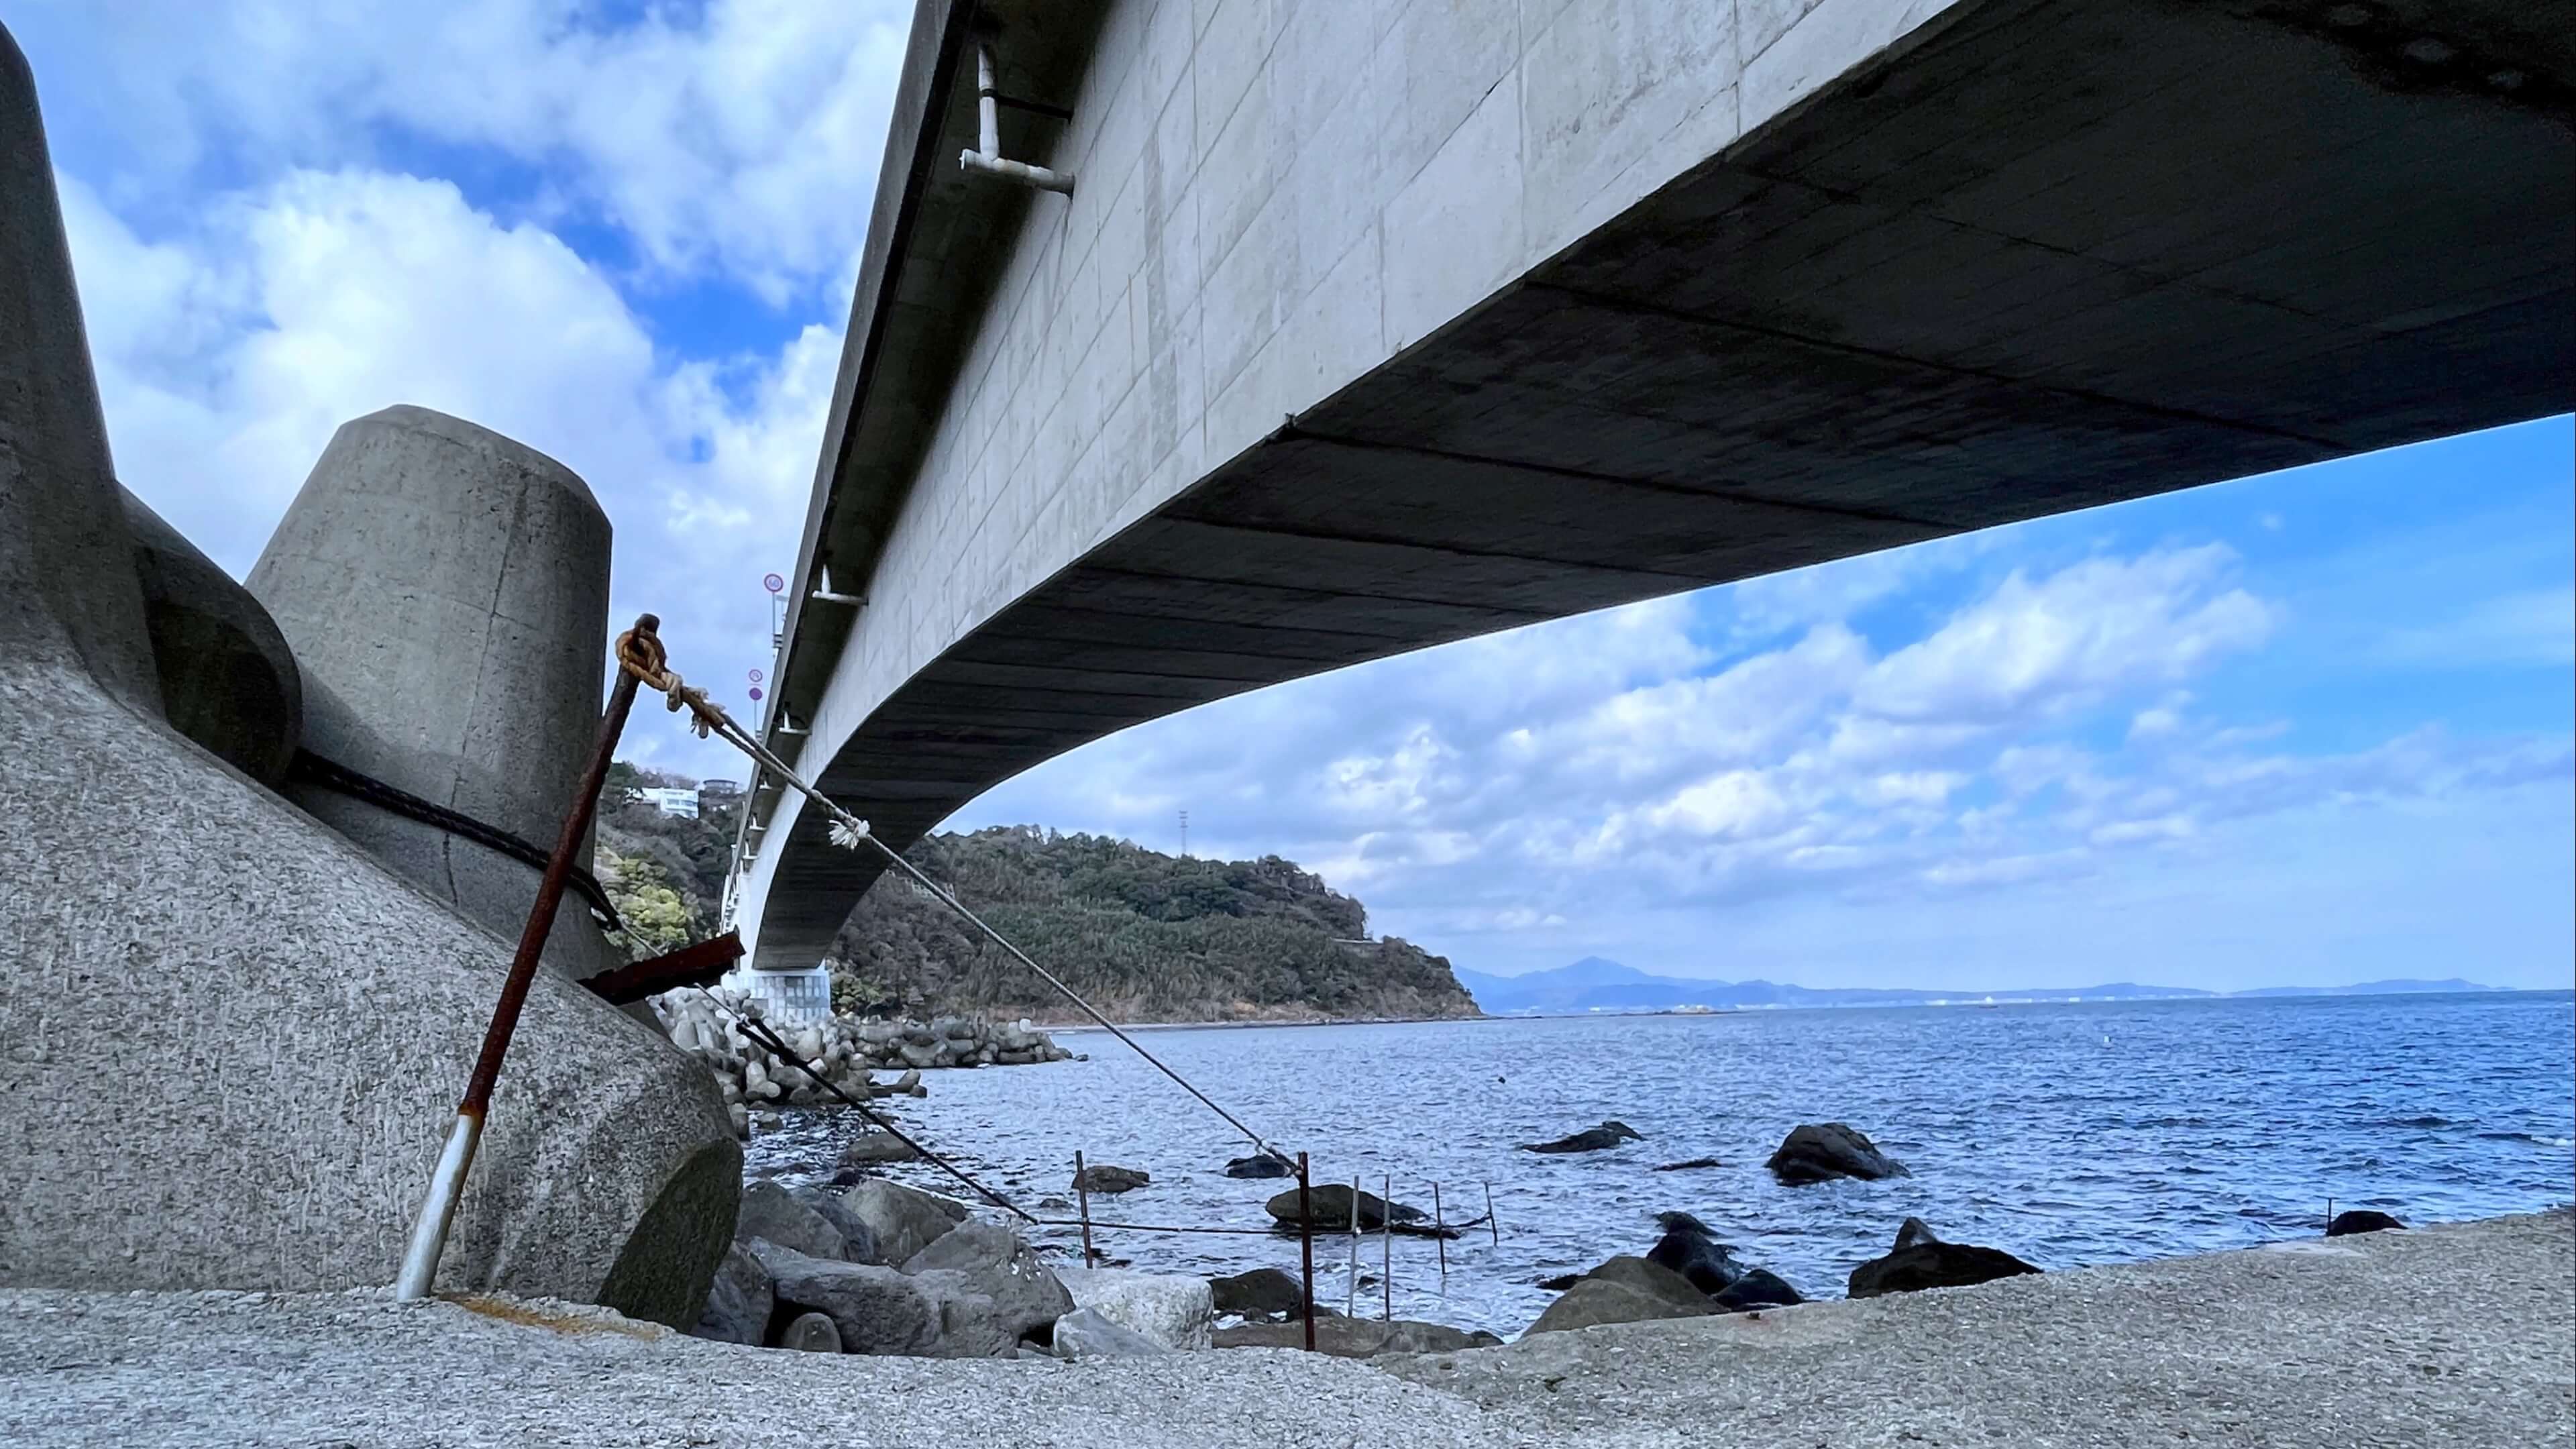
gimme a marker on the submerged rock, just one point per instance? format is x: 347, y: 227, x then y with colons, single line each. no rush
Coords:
x: 1104, y: 1178
x: 873, y: 1147
x: 1695, y: 1162
x: 1261, y: 1164
x: 1332, y: 1209
x: 1818, y: 1152
x: 1690, y: 1249
x: 1591, y: 1139
x: 2362, y: 1220
x: 1921, y: 1260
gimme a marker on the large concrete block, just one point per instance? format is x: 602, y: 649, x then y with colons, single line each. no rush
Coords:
x: 445, y: 590
x: 67, y: 589
x: 227, y: 679
x: 233, y: 1040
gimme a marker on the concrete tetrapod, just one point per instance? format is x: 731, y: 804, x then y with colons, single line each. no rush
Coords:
x: 233, y: 1038
x: 445, y: 590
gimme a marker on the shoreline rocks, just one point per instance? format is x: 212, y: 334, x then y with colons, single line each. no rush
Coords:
x: 2362, y: 1220
x: 1261, y: 1164
x: 1331, y: 1206
x: 845, y: 1049
x: 1920, y: 1260
x: 1821, y: 1151
x: 1104, y: 1178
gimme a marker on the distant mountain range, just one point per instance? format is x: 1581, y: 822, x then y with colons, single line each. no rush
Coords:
x: 1595, y: 984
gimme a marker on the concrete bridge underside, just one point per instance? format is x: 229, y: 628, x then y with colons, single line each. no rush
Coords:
x: 2035, y: 256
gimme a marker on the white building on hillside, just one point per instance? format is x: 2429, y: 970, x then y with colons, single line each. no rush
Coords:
x: 670, y: 800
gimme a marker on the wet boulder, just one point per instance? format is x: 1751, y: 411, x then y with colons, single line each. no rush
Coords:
x: 1592, y: 1302
x: 1261, y: 1164
x: 880, y: 1310
x: 1689, y: 1166
x: 2362, y: 1220
x: 1758, y: 1288
x: 1265, y: 1295
x: 1590, y: 1139
x: 1103, y: 1178
x: 1330, y: 1203
x: 1818, y: 1152
x: 1690, y: 1249
x: 1922, y: 1260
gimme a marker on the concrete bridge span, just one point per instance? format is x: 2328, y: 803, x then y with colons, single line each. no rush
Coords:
x: 1370, y: 327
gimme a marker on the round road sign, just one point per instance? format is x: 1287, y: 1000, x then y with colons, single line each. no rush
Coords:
x: 755, y: 676
x: 772, y: 582
x: 755, y: 693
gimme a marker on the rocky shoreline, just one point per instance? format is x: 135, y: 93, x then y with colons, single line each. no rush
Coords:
x: 845, y: 1049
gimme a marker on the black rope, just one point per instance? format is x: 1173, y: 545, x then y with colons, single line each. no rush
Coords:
x: 760, y: 1032
x: 312, y: 769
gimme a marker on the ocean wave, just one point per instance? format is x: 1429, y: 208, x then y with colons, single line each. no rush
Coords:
x: 2528, y: 1137
x: 2427, y: 1120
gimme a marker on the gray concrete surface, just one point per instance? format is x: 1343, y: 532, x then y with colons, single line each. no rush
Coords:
x: 2456, y: 1338
x: 446, y: 591
x: 227, y: 679
x: 68, y: 596
x: 231, y: 1040
x: 1577, y: 302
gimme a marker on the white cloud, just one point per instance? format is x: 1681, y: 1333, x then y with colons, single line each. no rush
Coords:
x: 739, y: 138
x: 226, y: 358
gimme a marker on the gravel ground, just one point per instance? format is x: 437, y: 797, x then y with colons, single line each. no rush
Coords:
x: 2462, y: 1336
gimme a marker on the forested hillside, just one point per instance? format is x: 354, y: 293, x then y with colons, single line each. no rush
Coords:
x: 1146, y: 936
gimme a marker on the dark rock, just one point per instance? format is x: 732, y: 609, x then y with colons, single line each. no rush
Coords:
x: 1261, y: 1164
x: 1921, y: 1260
x: 811, y: 1333
x: 902, y: 1220
x: 1591, y: 1139
x: 1101, y: 1177
x: 2362, y: 1220
x: 1690, y: 1249
x: 1053, y: 1202
x: 1758, y: 1288
x: 1356, y: 1337
x: 858, y: 1240
x: 1687, y: 1166
x: 1641, y: 1275
x: 773, y: 1214
x: 739, y: 1302
x: 880, y: 1310
x: 1266, y: 1294
x: 1817, y: 1152
x: 991, y: 1261
x: 1592, y: 1302
x: 1332, y: 1209
x: 873, y: 1147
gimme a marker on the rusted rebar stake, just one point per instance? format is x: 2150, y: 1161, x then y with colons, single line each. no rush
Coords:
x: 1306, y: 1249
x: 1351, y: 1290
x: 1082, y: 1197
x: 1491, y: 1226
x: 447, y: 1182
x: 1440, y: 1235
x: 1386, y: 1260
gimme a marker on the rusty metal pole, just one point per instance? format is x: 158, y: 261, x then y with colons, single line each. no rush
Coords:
x: 1440, y: 1235
x: 447, y: 1184
x: 1386, y: 1249
x: 1082, y: 1196
x: 1306, y: 1249
x: 1492, y: 1226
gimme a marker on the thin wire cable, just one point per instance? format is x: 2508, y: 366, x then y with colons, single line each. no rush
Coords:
x: 759, y: 1031
x: 848, y: 830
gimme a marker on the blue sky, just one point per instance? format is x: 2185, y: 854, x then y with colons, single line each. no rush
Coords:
x: 2307, y: 728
